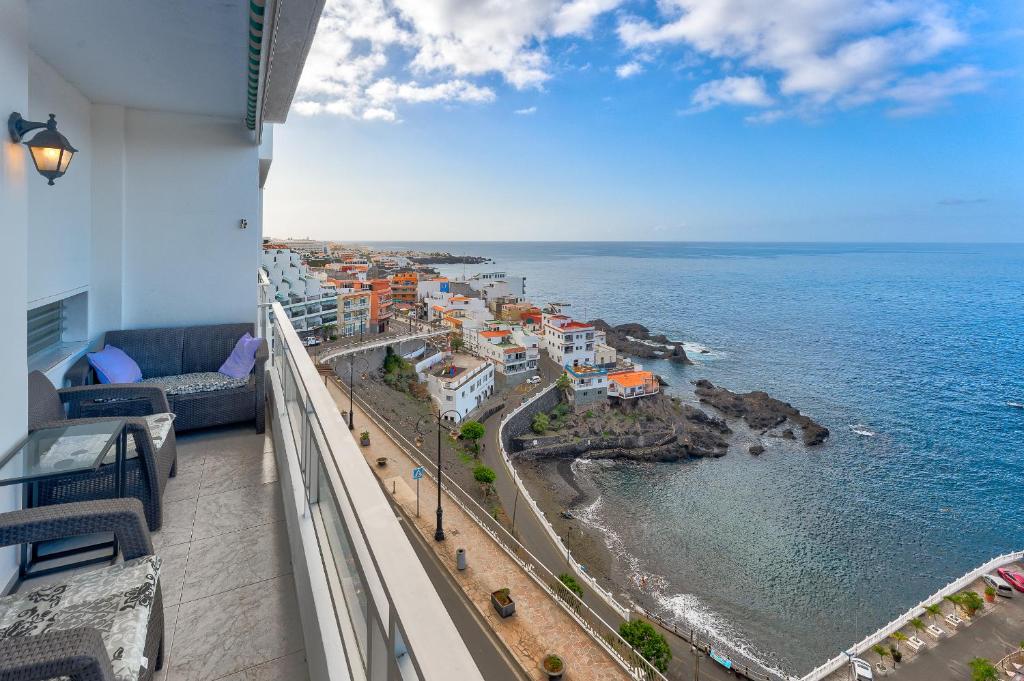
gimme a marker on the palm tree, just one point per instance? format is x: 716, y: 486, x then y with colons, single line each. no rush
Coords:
x: 956, y: 600
x: 933, y: 610
x: 917, y: 624
x: 881, y: 651
x: 899, y: 637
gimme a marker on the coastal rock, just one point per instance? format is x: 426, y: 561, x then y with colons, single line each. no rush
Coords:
x: 448, y: 259
x: 788, y: 434
x: 636, y: 340
x: 760, y: 411
x: 756, y: 449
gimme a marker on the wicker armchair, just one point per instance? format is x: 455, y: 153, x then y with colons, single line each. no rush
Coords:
x: 67, y: 646
x: 184, y: 362
x: 152, y: 455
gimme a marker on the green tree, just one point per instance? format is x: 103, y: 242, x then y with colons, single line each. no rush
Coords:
x: 472, y: 431
x: 648, y: 642
x: 899, y: 637
x: 918, y: 624
x: 540, y: 423
x: 881, y: 651
x: 485, y: 476
x: 957, y: 600
x: 983, y: 670
x: 563, y: 383
x: 934, y: 610
x: 571, y: 584
x: 456, y: 342
x: 971, y: 602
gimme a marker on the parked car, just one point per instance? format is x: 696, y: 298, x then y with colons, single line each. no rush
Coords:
x: 311, y: 341
x: 1015, y: 579
x: 861, y: 669
x: 999, y: 584
x: 533, y: 380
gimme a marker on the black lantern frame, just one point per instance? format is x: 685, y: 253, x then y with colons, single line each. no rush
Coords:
x: 51, y: 152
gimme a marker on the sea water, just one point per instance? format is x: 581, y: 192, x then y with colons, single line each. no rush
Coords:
x: 910, y: 354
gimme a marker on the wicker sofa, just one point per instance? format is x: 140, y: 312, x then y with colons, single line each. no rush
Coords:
x: 183, y: 362
x: 152, y: 454
x: 101, y: 625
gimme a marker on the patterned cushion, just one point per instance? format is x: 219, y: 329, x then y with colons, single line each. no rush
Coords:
x: 116, y: 601
x: 159, y: 426
x: 187, y: 384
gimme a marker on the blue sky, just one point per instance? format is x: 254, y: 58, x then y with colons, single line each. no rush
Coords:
x: 792, y: 120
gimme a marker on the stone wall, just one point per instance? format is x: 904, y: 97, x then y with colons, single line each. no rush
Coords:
x: 520, y: 423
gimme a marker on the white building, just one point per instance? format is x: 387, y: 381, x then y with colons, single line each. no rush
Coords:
x: 568, y: 342
x: 472, y: 311
x: 461, y: 385
x: 511, y: 350
x: 309, y: 301
x: 305, y: 247
x: 157, y: 223
x: 494, y: 285
x: 431, y: 288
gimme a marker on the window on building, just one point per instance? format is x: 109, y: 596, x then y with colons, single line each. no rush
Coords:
x: 45, y: 327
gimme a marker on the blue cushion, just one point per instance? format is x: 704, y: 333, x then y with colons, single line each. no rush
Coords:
x: 242, y: 359
x: 112, y: 365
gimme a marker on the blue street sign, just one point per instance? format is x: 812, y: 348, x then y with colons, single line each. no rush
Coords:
x: 418, y: 472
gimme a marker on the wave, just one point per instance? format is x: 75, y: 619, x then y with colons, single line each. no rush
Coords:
x: 861, y: 429
x: 1015, y: 405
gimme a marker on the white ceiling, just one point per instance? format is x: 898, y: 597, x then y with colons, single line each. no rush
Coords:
x: 172, y: 55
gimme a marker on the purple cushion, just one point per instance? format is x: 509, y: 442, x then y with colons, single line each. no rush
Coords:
x: 112, y: 365
x: 243, y: 358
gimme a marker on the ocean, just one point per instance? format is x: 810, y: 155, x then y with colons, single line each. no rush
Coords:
x: 910, y: 353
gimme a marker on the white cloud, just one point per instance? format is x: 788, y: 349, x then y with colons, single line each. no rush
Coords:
x: 377, y: 114
x: 922, y: 94
x: 741, y: 90
x: 577, y: 17
x: 629, y: 69
x: 528, y: 111
x: 821, y: 51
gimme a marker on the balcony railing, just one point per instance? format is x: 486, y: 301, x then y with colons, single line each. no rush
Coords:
x: 371, y: 611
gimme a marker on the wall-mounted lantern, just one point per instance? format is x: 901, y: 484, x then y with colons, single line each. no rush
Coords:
x: 51, y: 151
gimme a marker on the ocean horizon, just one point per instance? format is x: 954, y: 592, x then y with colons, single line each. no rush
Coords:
x: 909, y: 353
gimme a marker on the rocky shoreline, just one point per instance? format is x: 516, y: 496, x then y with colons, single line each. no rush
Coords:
x: 761, y: 412
x: 448, y: 259
x: 636, y: 340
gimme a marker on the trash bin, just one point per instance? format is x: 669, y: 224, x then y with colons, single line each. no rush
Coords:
x: 460, y: 559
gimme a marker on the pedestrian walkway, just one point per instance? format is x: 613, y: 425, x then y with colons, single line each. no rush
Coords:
x: 540, y: 625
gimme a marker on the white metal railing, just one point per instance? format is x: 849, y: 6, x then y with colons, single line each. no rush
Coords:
x: 395, y: 625
x: 600, y: 631
x: 823, y: 670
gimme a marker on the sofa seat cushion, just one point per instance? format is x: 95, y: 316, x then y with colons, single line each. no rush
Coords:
x: 159, y: 425
x: 189, y: 384
x: 116, y: 601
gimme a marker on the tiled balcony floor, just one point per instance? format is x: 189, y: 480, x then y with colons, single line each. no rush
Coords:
x: 229, y: 599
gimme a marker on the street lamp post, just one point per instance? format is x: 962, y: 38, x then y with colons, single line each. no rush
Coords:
x: 352, y: 385
x: 439, y: 531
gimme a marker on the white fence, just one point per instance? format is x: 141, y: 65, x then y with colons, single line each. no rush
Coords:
x: 605, y: 595
x: 838, y: 661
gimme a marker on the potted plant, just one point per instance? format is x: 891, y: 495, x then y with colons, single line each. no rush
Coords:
x: 553, y: 666
x: 364, y: 438
x: 990, y: 594
x: 503, y: 603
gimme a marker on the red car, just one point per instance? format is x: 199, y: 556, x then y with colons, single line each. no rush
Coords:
x: 1015, y: 579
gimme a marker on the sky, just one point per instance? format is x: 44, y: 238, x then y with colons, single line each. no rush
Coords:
x: 710, y: 120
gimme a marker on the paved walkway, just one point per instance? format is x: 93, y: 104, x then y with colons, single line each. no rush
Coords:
x: 992, y: 634
x: 539, y: 625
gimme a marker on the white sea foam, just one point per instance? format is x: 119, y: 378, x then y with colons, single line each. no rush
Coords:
x: 1015, y: 405
x: 861, y: 429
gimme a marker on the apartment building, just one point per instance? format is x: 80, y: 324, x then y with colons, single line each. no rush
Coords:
x: 460, y: 385
x: 589, y: 384
x: 431, y: 287
x: 305, y: 247
x: 512, y: 350
x: 403, y: 287
x: 309, y: 301
x: 354, y: 311
x: 382, y: 308
x: 492, y: 286
x: 567, y: 341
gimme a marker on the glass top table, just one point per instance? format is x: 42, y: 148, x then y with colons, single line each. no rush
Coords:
x: 54, y: 452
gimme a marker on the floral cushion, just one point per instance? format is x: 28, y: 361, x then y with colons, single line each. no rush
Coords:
x: 188, y: 384
x: 159, y: 426
x: 116, y: 601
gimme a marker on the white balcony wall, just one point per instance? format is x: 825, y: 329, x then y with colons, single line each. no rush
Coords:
x: 189, y: 181
x: 14, y: 179
x: 60, y: 217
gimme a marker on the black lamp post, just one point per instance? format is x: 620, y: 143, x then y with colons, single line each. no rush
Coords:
x: 439, y: 532
x: 51, y: 151
x: 352, y: 384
